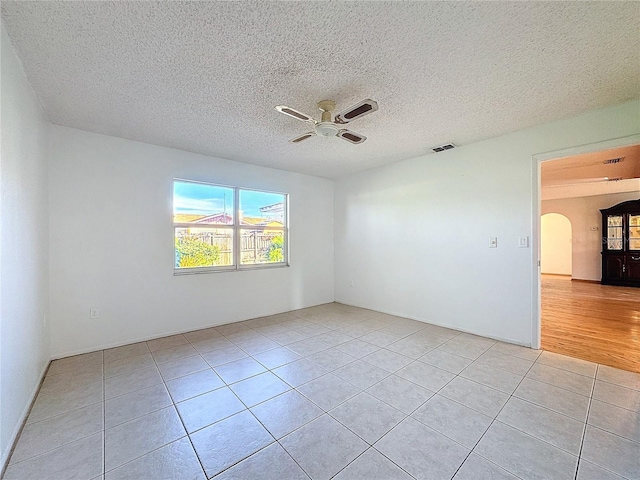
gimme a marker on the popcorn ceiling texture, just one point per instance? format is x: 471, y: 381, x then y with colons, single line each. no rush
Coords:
x: 205, y: 76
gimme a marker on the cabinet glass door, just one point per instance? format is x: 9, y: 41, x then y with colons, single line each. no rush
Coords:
x: 634, y: 232
x: 614, y: 232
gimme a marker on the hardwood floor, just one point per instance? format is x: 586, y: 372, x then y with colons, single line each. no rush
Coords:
x: 594, y: 322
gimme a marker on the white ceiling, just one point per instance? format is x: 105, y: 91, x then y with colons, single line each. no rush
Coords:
x: 205, y: 76
x: 589, y: 174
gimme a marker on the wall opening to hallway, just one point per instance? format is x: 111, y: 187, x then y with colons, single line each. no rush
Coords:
x: 555, y: 244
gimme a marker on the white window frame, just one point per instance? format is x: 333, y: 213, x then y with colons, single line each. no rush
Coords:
x: 236, y: 228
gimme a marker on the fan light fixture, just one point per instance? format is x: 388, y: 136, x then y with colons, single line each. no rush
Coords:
x: 328, y: 128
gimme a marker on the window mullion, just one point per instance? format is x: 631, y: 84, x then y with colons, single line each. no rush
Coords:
x: 236, y: 227
x: 265, y: 238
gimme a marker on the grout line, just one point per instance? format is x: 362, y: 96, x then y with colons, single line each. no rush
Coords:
x: 104, y: 418
x: 371, y: 447
x: 317, y: 320
x: 173, y: 404
x: 248, y: 409
x: 586, y: 421
x: 406, y: 416
x: 495, y: 418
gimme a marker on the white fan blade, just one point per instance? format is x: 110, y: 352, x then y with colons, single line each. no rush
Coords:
x: 365, y: 107
x: 294, y: 113
x: 350, y: 136
x: 302, y: 137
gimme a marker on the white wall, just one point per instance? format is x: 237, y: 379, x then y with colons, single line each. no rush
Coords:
x: 111, y: 240
x: 413, y: 236
x: 555, y: 244
x: 24, y: 339
x: 584, y: 214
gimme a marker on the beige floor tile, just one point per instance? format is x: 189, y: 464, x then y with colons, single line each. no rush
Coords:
x: 372, y: 465
x: 193, y: 385
x: 125, y: 351
x: 401, y: 394
x: 524, y: 455
x: 421, y: 451
x: 51, y: 403
x: 166, y: 342
x: 176, y: 460
x: 208, y: 408
x: 79, y: 459
x: 140, y: 436
x: 285, y: 413
x: 136, y: 404
x: 40, y: 437
x: 129, y: 382
x: 611, y: 452
x: 339, y: 447
x: 367, y: 369
x: 225, y: 443
x: 367, y: 417
x: 272, y: 462
x: 478, y: 397
x: 453, y: 420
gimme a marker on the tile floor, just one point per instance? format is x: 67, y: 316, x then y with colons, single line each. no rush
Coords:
x: 330, y: 392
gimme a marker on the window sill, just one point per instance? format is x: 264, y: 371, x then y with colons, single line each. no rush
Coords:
x: 201, y: 270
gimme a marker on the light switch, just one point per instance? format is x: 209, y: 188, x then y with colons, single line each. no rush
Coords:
x: 493, y: 242
x: 523, y: 242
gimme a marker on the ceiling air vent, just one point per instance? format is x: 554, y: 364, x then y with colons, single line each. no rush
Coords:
x: 442, y: 148
x: 612, y: 160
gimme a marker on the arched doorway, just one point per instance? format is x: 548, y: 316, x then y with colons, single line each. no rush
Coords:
x: 555, y: 244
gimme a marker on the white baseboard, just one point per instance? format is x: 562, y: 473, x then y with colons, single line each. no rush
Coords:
x: 23, y: 418
x: 500, y: 339
x: 72, y: 353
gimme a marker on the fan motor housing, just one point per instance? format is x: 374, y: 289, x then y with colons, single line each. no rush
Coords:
x: 327, y: 129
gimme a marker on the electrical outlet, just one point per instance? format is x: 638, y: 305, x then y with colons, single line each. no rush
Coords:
x: 44, y: 320
x: 93, y: 313
x: 493, y: 242
x: 353, y: 284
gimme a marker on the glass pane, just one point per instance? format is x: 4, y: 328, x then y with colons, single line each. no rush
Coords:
x: 614, y: 232
x: 262, y: 208
x: 614, y: 220
x: 202, y: 203
x: 203, y: 247
x: 634, y: 220
x: 614, y: 238
x: 634, y: 238
x: 261, y: 246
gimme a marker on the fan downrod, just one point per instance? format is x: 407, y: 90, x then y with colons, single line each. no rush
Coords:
x: 326, y: 107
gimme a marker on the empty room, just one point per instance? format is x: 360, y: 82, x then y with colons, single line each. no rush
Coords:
x: 302, y: 240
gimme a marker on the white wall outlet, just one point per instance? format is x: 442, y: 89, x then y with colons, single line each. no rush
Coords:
x: 93, y: 313
x: 523, y: 242
x: 353, y: 284
x: 44, y: 320
x: 493, y: 242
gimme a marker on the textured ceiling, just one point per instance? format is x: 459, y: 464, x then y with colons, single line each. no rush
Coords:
x: 205, y: 76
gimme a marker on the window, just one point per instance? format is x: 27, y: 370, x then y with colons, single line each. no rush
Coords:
x: 227, y: 228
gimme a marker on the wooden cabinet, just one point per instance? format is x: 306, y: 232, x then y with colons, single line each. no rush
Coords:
x: 621, y: 244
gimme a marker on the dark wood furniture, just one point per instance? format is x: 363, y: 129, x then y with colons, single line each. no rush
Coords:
x: 621, y: 244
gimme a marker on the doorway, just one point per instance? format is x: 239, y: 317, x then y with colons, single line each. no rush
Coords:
x: 555, y: 244
x: 574, y: 314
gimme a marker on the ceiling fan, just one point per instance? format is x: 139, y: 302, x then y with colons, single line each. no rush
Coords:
x: 327, y: 128
x: 581, y: 181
